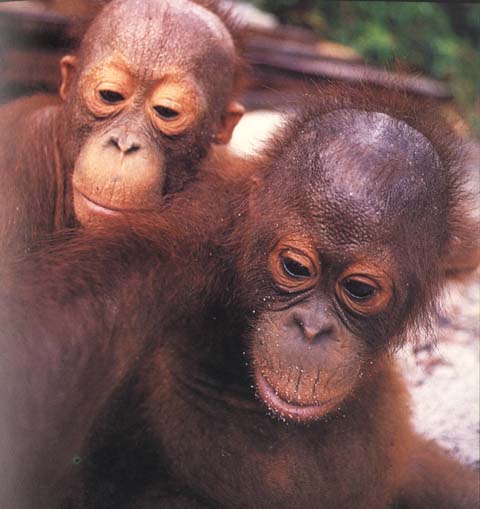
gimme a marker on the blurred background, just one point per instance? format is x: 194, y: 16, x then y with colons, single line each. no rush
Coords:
x: 439, y: 39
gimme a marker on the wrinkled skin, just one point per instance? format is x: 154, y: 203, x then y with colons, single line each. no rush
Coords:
x: 141, y: 105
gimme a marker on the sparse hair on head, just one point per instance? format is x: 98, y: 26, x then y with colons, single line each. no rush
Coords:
x: 93, y: 8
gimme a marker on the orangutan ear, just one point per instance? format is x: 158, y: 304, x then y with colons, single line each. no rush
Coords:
x: 68, y: 67
x: 230, y: 118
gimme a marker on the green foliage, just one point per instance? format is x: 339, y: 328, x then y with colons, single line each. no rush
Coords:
x: 442, y: 40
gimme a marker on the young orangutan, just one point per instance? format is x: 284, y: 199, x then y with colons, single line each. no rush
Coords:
x: 141, y: 105
x: 237, y: 351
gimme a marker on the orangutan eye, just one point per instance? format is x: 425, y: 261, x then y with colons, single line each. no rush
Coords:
x: 295, y: 269
x: 366, y: 292
x: 111, y: 97
x: 358, y: 290
x: 294, y: 265
x: 166, y: 113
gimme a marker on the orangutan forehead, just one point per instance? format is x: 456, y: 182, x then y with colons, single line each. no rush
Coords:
x: 155, y: 36
x: 184, y: 12
x: 209, y: 18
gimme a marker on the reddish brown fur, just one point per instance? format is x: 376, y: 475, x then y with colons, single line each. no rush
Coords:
x: 89, y: 309
x: 147, y: 337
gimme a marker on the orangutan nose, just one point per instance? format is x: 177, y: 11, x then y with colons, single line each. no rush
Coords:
x: 313, y: 327
x: 125, y: 142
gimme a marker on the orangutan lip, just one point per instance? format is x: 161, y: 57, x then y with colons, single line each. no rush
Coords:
x: 299, y: 413
x: 95, y: 206
x: 102, y: 208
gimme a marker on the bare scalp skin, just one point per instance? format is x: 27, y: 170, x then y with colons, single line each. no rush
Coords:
x: 238, y: 352
x: 141, y: 105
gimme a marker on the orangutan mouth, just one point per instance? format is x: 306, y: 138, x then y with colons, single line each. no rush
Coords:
x: 103, y: 209
x: 291, y: 411
x: 78, y: 197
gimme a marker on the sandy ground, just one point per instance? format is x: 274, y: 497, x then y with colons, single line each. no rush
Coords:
x: 444, y: 379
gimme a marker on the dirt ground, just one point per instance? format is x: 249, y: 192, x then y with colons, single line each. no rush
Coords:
x: 444, y: 378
